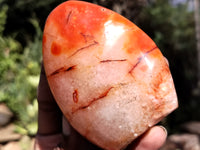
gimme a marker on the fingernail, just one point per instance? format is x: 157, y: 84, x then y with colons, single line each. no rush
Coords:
x: 164, y: 129
x: 59, y: 147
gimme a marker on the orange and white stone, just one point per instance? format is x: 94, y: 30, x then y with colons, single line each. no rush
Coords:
x: 108, y: 77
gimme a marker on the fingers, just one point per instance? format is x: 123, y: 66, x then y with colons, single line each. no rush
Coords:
x: 49, y: 115
x: 74, y: 141
x: 48, y: 142
x: 152, y: 140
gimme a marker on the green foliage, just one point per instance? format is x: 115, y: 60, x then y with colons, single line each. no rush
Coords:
x: 3, y: 16
x: 20, y: 75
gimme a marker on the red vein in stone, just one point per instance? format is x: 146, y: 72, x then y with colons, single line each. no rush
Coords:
x: 62, y: 69
x: 141, y: 58
x: 68, y: 16
x: 75, y: 96
x: 105, y: 61
x: 85, y: 47
x: 104, y: 94
x: 87, y: 37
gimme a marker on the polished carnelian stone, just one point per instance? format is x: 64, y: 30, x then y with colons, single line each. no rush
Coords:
x: 108, y: 77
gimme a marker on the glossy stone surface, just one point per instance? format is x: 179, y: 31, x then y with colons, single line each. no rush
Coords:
x: 108, y: 77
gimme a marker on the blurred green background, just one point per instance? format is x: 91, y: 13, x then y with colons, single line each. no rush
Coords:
x: 170, y: 23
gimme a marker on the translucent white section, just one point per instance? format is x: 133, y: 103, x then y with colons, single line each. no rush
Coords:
x: 112, y: 32
x: 150, y: 64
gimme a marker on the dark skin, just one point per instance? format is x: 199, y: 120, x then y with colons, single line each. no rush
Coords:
x: 50, y: 135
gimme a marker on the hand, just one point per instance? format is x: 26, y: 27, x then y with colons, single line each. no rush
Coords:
x: 51, y: 135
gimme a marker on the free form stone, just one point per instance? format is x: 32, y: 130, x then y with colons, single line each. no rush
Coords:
x: 108, y: 77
